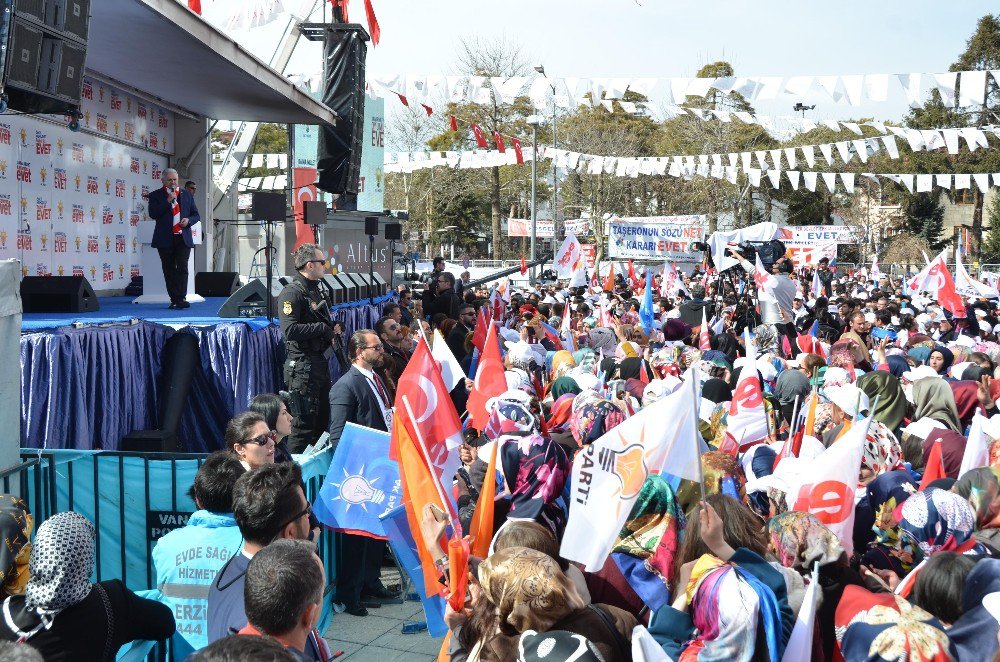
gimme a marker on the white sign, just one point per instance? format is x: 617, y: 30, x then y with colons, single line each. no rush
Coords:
x: 521, y: 227
x: 808, y: 244
x: 655, y: 237
x: 371, y: 181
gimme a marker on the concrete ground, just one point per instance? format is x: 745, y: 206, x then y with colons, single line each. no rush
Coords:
x: 378, y: 637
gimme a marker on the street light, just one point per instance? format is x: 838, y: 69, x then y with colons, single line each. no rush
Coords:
x: 534, y: 121
x: 801, y: 107
x: 555, y: 179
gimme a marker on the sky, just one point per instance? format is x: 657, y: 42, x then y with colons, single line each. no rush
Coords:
x: 666, y: 38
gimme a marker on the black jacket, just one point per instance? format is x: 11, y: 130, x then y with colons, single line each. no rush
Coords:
x: 691, y: 311
x: 302, y: 324
x: 447, y: 302
x: 352, y: 400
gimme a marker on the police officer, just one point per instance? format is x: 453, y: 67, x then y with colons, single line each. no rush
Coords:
x: 305, y: 323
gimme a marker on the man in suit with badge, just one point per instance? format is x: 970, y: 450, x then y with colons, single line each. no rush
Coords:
x: 175, y: 212
x: 361, y: 397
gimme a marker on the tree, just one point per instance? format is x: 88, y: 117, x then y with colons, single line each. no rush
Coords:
x: 990, y: 250
x: 924, y: 217
x: 270, y: 139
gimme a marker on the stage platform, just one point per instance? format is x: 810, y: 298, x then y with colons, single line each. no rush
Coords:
x: 89, y: 379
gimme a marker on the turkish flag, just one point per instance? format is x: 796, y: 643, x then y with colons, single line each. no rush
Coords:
x: 403, y: 100
x: 424, y: 407
x: 304, y: 185
x: 524, y: 266
x: 195, y: 6
x: 427, y: 109
x: 499, y: 305
x: 483, y: 323
x: 704, y: 342
x: 934, y: 468
x: 480, y: 138
x: 452, y: 123
x: 517, y: 150
x: 632, y: 276
x: 489, y: 382
x: 498, y: 139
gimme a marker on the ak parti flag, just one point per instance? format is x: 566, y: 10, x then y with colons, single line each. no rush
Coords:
x: 481, y: 526
x: 609, y: 282
x: 489, y: 382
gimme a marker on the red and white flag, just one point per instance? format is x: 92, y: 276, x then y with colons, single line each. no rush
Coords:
x: 568, y: 256
x: 936, y: 279
x: 425, y: 408
x: 765, y: 281
x: 516, y: 144
x: 480, y: 137
x: 704, y: 343
x: 747, y: 420
x: 524, y: 266
x: 489, y: 382
x: 498, y: 140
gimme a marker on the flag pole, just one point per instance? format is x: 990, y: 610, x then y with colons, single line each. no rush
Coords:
x: 445, y: 503
x: 697, y: 432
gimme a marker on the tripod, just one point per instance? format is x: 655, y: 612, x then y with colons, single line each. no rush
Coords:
x: 268, y: 251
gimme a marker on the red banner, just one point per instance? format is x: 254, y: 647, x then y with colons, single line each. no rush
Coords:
x: 304, y: 190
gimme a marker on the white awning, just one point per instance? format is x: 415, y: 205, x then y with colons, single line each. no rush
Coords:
x: 161, y: 49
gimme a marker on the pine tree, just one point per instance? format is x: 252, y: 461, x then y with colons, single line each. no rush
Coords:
x: 924, y: 217
x: 991, y: 240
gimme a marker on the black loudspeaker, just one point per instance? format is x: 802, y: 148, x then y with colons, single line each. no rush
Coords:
x: 393, y: 231
x: 250, y: 300
x: 339, y: 152
x: 46, y: 51
x: 350, y: 287
x: 58, y: 294
x: 332, y: 290
x: 180, y: 361
x: 216, y: 283
x: 371, y: 226
x: 314, y: 212
x: 268, y: 207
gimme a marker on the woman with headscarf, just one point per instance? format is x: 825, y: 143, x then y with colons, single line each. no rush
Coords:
x: 897, y: 365
x: 16, y: 524
x: 592, y: 419
x: 932, y: 398
x: 562, y: 364
x: 888, y: 551
x: 717, y: 391
x: 562, y: 386
x: 981, y: 488
x: 799, y: 540
x: 534, y: 467
x: 885, y: 389
x: 882, y: 626
x: 585, y: 359
x: 558, y: 424
x: 966, y: 401
x: 941, y: 359
x: 523, y: 589
x: 952, y: 446
x: 66, y: 617
x: 792, y: 386
x: 939, y: 521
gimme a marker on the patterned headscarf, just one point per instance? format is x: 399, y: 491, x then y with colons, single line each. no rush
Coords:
x: 645, y: 548
x: 61, y: 562
x: 585, y: 359
x: 535, y: 469
x: 593, y: 419
x: 882, y: 451
x: 884, y: 626
x: 889, y: 551
x: 765, y: 339
x: 527, y: 589
x: 938, y: 521
x: 800, y: 539
x: 510, y: 414
x: 16, y: 523
x: 562, y: 363
x: 981, y: 487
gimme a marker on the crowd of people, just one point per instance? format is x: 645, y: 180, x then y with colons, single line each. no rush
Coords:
x: 720, y: 570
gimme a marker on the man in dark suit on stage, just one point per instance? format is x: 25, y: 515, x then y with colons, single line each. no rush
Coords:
x: 360, y: 396
x: 174, y: 211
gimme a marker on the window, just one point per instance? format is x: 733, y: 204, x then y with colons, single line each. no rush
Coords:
x: 965, y: 196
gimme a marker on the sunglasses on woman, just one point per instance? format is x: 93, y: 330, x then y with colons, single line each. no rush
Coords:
x: 262, y: 439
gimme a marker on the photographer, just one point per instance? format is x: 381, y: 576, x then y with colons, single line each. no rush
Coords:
x: 781, y: 311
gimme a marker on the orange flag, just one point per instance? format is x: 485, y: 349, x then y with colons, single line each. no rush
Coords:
x: 489, y: 382
x: 811, y: 415
x: 420, y: 487
x: 458, y: 572
x: 481, y: 527
x: 609, y: 282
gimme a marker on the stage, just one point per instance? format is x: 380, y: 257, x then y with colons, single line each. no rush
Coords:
x: 89, y: 379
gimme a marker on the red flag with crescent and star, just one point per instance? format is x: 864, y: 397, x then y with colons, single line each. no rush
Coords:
x: 480, y: 138
x: 517, y: 150
x: 424, y: 407
x: 489, y: 382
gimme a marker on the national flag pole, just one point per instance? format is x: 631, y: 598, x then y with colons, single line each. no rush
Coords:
x: 445, y: 503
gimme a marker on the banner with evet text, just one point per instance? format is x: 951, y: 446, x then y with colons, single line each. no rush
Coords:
x: 656, y: 237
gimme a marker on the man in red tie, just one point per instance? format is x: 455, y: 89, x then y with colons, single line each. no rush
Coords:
x: 175, y: 212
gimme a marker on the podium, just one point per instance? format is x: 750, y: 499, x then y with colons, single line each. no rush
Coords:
x: 154, y: 288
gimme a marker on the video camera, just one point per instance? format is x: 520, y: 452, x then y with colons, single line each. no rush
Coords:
x: 769, y: 251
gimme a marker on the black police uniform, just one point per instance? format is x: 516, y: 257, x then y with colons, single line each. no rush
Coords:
x: 307, y: 368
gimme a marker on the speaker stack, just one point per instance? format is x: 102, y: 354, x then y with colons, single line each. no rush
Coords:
x: 58, y: 294
x: 216, y: 283
x: 44, y: 54
x: 250, y: 300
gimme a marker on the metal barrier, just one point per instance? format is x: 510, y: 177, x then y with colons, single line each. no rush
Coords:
x: 48, y: 484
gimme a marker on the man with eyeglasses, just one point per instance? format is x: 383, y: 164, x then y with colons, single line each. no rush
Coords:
x: 268, y: 505
x: 360, y: 396
x: 446, y: 302
x: 306, y: 326
x: 390, y: 332
x: 466, y: 323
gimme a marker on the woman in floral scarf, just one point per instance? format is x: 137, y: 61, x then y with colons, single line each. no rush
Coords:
x: 888, y: 551
x: 981, y: 487
x: 874, y: 627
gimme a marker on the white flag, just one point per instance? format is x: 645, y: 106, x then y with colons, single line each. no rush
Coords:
x: 579, y: 276
x: 568, y: 256
x: 451, y: 370
x: 609, y: 473
x: 977, y: 450
x: 968, y: 286
x: 827, y: 484
x: 645, y: 648
x: 876, y: 273
x: 800, y: 643
x: 817, y: 285
x: 254, y: 14
x: 746, y: 422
